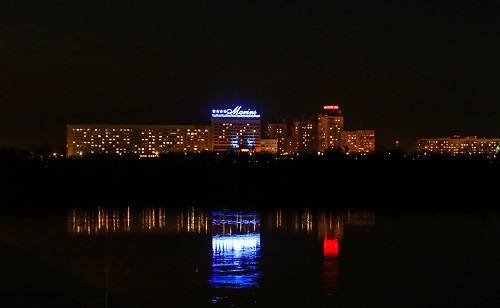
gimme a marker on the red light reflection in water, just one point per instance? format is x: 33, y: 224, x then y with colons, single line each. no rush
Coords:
x: 331, y: 247
x: 330, y: 265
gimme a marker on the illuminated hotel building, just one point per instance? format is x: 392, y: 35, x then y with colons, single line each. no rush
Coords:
x: 359, y: 141
x: 304, y: 136
x: 235, y: 130
x: 330, y: 127
x: 142, y: 140
x: 457, y: 145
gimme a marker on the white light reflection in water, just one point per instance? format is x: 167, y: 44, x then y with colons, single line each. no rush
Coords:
x: 235, y: 250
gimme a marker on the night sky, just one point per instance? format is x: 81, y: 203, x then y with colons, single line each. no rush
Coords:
x: 407, y: 69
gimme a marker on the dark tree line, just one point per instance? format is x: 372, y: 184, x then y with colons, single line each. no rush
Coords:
x: 391, y: 180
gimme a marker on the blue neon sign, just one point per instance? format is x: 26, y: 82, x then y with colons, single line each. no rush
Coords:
x: 234, y: 113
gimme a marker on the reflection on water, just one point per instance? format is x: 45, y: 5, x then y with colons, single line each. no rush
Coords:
x: 236, y: 241
x: 331, y: 247
x: 191, y: 257
x: 330, y: 265
x: 324, y: 227
x: 153, y: 219
x: 322, y: 224
x: 235, y: 249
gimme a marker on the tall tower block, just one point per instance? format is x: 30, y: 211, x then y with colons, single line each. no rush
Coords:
x: 330, y: 127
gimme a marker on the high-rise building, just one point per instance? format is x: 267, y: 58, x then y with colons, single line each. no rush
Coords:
x: 235, y: 130
x: 304, y: 136
x: 358, y: 141
x: 330, y: 127
x: 278, y: 131
x: 141, y: 140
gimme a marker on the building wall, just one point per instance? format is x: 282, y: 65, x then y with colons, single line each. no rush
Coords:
x: 456, y: 146
x: 269, y: 145
x: 278, y: 131
x: 142, y: 140
x: 236, y: 135
x: 359, y: 141
x: 304, y: 136
x: 330, y: 127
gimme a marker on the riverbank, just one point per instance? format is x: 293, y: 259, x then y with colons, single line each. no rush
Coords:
x: 377, y: 181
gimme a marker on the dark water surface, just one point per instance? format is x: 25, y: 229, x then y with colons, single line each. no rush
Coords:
x: 194, y: 257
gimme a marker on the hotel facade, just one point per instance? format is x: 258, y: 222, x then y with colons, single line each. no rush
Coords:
x: 235, y: 130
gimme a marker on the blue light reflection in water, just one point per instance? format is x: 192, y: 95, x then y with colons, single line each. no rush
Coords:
x: 235, y: 261
x: 235, y: 250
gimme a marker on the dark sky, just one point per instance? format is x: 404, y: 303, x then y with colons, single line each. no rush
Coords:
x: 408, y: 69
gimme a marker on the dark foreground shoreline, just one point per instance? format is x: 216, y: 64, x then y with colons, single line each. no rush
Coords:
x: 396, y: 182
